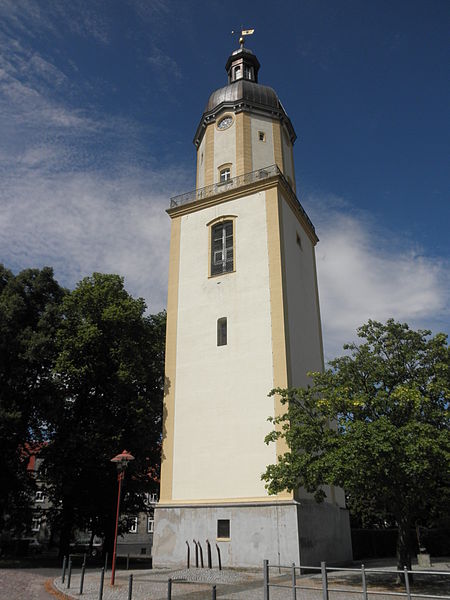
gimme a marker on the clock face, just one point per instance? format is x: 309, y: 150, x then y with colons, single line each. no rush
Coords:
x: 225, y: 122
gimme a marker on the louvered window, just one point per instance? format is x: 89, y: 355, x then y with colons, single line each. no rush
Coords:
x: 222, y: 248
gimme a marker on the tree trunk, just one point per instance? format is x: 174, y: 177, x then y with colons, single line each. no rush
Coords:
x: 403, y: 546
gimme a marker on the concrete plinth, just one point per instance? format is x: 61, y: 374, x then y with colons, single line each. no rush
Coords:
x: 283, y: 532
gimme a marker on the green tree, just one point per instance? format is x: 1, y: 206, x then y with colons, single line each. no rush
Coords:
x: 29, y: 318
x: 110, y: 372
x: 376, y: 423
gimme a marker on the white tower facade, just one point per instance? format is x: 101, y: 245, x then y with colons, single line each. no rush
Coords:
x: 242, y: 318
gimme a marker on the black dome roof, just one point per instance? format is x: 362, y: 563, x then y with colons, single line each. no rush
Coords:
x: 245, y: 90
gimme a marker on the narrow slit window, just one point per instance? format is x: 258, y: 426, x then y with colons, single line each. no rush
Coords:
x: 222, y: 331
x: 262, y: 136
x: 223, y: 528
x: 222, y: 260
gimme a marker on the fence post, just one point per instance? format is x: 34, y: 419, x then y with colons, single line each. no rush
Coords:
x: 130, y: 586
x: 102, y: 579
x: 63, y: 573
x: 294, y: 583
x: 106, y: 562
x: 214, y: 592
x: 188, y: 555
x: 83, y: 567
x: 323, y: 569
x: 169, y: 589
x: 364, y: 583
x: 266, y: 579
x: 69, y: 573
x: 408, y: 591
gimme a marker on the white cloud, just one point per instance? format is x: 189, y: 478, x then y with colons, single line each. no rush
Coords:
x: 365, y: 271
x: 80, y: 223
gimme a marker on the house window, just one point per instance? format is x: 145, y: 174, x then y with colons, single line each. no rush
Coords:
x: 36, y: 524
x: 222, y: 331
x: 39, y: 496
x: 261, y: 136
x: 133, y: 521
x: 225, y: 175
x: 222, y: 248
x: 248, y: 72
x: 150, y: 524
x: 223, y: 528
x: 237, y: 72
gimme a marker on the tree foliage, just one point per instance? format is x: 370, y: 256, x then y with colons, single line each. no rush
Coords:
x: 375, y: 423
x: 29, y: 319
x: 109, y: 370
x: 81, y: 379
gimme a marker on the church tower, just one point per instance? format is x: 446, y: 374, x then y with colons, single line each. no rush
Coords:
x: 242, y: 318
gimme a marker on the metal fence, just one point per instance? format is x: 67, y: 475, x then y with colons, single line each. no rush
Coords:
x: 362, y: 590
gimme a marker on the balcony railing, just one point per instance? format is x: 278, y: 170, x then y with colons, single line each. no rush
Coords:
x: 234, y: 183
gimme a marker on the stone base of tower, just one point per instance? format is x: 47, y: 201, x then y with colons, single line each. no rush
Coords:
x: 283, y: 532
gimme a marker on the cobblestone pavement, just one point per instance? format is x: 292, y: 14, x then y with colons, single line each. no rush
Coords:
x: 26, y: 584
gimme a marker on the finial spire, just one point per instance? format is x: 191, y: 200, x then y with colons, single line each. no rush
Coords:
x: 243, y: 33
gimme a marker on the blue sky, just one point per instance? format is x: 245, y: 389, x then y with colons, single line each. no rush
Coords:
x: 100, y: 99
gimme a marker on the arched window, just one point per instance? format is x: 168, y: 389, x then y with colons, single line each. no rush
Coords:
x: 222, y: 259
x: 225, y: 175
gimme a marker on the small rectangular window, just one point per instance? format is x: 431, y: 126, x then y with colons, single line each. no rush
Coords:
x: 150, y: 524
x: 133, y: 522
x: 39, y: 496
x: 223, y: 528
x: 36, y: 524
x: 261, y: 136
x: 222, y: 331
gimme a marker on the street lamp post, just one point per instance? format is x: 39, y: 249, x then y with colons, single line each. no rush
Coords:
x: 122, y: 461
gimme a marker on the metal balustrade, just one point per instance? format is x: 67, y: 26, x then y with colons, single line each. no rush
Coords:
x: 235, y: 183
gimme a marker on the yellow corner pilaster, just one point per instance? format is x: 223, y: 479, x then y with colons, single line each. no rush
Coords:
x: 170, y: 367
x: 278, y: 309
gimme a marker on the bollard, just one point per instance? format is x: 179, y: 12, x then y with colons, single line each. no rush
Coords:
x: 83, y: 567
x: 128, y: 561
x: 63, y: 573
x: 214, y: 592
x: 188, y: 555
x: 102, y: 579
x: 69, y: 573
x: 323, y: 568
x: 408, y: 591
x: 169, y: 589
x: 208, y: 546
x: 130, y: 586
x: 218, y: 557
x: 106, y: 562
x: 364, y: 583
x: 294, y: 583
x: 266, y: 579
